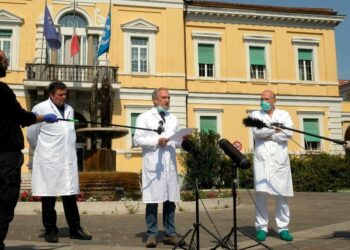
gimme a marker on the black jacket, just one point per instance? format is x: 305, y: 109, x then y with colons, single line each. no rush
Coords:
x: 12, y: 118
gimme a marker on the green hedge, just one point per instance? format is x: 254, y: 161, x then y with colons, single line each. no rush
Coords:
x: 311, y: 173
x: 320, y: 172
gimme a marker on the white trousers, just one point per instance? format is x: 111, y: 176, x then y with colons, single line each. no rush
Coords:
x: 282, y: 215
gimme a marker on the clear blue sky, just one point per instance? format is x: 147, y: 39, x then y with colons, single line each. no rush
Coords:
x: 342, y: 31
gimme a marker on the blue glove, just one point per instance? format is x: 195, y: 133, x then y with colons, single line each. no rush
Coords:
x: 50, y: 118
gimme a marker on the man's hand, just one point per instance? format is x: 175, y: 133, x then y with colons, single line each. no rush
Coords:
x: 162, y: 141
x: 347, y: 145
x: 50, y: 118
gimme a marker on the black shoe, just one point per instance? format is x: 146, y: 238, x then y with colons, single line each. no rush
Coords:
x: 79, y: 234
x: 51, y: 237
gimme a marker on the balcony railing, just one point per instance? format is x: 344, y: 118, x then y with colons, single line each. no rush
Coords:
x: 69, y: 73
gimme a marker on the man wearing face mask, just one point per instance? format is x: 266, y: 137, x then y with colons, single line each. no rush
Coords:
x: 160, y: 183
x: 272, y: 173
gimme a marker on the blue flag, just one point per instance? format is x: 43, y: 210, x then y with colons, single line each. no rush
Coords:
x: 53, y: 38
x: 106, y: 37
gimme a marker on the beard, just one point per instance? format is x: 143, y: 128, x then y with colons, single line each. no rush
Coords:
x: 2, y: 72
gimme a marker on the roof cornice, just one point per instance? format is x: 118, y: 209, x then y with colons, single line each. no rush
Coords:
x: 263, y: 17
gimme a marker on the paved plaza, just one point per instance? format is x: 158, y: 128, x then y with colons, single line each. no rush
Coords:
x: 319, y: 221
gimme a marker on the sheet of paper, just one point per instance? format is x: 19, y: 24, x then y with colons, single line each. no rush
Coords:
x: 178, y: 136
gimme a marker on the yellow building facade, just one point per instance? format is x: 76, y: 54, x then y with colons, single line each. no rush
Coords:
x: 216, y: 59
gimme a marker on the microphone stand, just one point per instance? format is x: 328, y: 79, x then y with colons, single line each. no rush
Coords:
x: 279, y: 125
x: 234, y: 228
x: 197, y: 225
x: 253, y: 122
x: 159, y: 130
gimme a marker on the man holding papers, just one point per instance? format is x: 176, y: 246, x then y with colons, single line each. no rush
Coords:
x: 160, y: 183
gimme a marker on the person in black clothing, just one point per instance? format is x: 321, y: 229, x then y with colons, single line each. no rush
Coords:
x: 13, y: 117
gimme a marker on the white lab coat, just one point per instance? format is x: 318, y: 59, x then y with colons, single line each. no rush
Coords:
x: 55, y: 169
x: 159, y: 173
x: 272, y: 173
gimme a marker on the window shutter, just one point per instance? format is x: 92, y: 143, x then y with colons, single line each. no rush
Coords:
x: 305, y: 54
x: 133, y: 122
x: 5, y: 33
x: 208, y: 123
x: 257, y: 55
x: 311, y: 126
x: 206, y: 53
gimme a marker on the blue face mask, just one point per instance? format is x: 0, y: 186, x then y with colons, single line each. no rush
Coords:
x: 266, y: 106
x: 162, y: 109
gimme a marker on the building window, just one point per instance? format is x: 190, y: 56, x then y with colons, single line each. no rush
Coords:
x: 140, y: 47
x: 139, y: 54
x: 208, y: 123
x: 311, y: 125
x: 73, y: 23
x: 133, y: 117
x: 258, y: 51
x: 306, y: 59
x: 206, y: 56
x: 257, y: 62
x: 206, y: 60
x: 5, y: 43
x: 305, y: 64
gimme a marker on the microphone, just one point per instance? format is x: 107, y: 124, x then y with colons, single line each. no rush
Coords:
x: 234, y: 154
x: 160, y: 128
x: 188, y: 146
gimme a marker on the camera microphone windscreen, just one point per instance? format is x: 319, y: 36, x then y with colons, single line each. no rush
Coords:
x: 236, y: 156
x: 187, y: 145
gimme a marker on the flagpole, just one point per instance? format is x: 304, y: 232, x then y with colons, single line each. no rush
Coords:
x: 42, y: 45
x: 110, y: 17
x: 73, y: 29
x: 42, y: 39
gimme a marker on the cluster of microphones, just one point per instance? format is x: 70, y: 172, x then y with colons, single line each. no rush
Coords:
x: 237, y: 157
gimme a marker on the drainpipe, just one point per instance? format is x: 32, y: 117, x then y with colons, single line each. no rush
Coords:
x: 186, y: 2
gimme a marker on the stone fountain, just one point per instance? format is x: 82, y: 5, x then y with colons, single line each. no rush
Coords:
x: 100, y: 178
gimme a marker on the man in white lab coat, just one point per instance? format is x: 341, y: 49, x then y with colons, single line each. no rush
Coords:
x: 272, y: 173
x: 55, y: 170
x: 160, y: 182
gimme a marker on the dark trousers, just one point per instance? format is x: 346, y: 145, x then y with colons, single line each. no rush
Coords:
x: 49, y: 214
x: 10, y: 182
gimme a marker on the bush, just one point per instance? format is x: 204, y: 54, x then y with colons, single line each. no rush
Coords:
x: 320, y: 172
x: 311, y: 173
x: 206, y: 165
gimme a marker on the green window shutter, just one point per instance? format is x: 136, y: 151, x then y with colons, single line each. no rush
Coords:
x: 305, y: 54
x: 208, y: 123
x: 133, y: 122
x: 5, y: 33
x: 311, y: 126
x: 206, y: 53
x: 257, y: 55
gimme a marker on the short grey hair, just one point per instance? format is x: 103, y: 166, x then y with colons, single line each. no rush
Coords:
x: 156, y: 91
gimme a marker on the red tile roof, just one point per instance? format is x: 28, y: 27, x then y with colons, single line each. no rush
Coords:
x: 343, y: 82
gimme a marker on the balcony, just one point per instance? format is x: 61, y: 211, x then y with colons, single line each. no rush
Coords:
x: 75, y: 76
